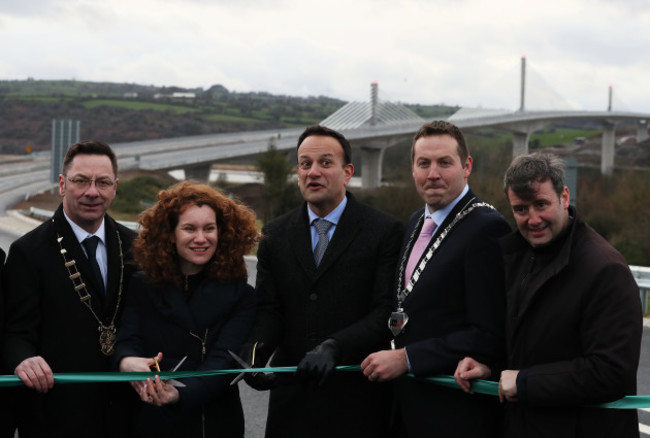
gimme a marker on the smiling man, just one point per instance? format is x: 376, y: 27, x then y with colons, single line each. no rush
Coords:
x: 64, y: 284
x: 574, y: 318
x: 450, y: 295
x: 324, y: 295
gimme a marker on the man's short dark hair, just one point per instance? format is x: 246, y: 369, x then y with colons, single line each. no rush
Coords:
x: 537, y: 167
x: 327, y: 132
x: 441, y: 127
x: 89, y: 147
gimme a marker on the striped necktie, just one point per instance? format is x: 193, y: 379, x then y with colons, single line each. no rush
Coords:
x: 322, y: 226
x: 421, y: 244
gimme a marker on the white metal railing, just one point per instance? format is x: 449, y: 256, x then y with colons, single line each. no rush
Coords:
x: 642, y: 276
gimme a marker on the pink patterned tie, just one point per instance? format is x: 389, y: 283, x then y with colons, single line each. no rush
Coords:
x: 420, y: 245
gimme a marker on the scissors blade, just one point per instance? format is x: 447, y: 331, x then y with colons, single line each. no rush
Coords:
x: 179, y: 364
x: 243, y: 364
x: 239, y: 360
x: 237, y: 379
x: 175, y: 382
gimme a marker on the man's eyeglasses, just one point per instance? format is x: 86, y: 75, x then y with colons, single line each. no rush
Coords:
x: 85, y: 183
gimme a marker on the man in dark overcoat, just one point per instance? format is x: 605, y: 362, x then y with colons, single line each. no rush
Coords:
x: 574, y: 319
x: 450, y: 294
x: 62, y: 301
x: 319, y: 311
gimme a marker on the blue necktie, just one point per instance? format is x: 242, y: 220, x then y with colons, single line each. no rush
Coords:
x: 322, y: 226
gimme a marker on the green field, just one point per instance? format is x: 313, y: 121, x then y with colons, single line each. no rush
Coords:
x: 560, y: 136
x: 139, y: 105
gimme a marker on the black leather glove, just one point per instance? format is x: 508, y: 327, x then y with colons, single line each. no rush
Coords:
x: 250, y: 353
x: 318, y: 364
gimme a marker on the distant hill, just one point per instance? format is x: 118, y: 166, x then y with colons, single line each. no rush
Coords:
x: 122, y: 112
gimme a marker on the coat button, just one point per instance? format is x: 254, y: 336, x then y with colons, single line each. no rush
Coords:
x: 313, y: 297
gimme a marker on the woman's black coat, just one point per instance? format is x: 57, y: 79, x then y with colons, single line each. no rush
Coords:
x: 215, y: 318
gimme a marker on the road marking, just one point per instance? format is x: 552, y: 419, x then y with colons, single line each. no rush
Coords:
x: 645, y: 409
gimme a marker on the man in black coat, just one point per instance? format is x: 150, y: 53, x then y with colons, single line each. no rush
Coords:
x: 318, y: 307
x: 450, y: 295
x: 574, y: 319
x: 62, y: 301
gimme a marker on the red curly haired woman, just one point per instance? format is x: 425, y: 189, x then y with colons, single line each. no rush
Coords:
x: 190, y: 300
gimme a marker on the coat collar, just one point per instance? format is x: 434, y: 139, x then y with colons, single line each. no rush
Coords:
x: 170, y: 302
x: 460, y: 205
x: 518, y: 253
x: 104, y: 302
x: 413, y: 221
x: 300, y: 237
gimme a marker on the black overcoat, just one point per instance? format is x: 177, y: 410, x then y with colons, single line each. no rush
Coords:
x: 456, y: 309
x: 575, y: 335
x: 45, y: 317
x: 217, y: 316
x: 348, y: 297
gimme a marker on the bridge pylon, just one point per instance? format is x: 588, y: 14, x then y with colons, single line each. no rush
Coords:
x: 373, y: 115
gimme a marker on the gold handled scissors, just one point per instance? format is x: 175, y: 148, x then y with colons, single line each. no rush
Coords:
x: 243, y: 364
x: 172, y: 382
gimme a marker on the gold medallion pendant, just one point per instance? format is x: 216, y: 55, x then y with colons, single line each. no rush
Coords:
x: 107, y: 333
x: 107, y: 338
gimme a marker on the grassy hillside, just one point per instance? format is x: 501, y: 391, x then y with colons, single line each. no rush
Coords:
x: 124, y: 112
x: 130, y: 112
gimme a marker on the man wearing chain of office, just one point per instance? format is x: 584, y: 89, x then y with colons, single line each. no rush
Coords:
x: 450, y: 295
x: 64, y: 286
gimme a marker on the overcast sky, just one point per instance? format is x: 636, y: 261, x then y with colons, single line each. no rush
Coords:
x: 456, y: 52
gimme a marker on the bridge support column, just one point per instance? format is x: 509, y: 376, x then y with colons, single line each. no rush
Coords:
x: 641, y: 131
x: 520, y: 143
x: 607, y: 152
x: 199, y: 173
x: 371, y: 162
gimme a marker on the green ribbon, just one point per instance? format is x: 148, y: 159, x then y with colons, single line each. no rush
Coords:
x: 478, y: 386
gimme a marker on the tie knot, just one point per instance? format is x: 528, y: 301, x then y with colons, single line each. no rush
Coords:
x: 429, y: 227
x: 90, y: 243
x: 322, y: 226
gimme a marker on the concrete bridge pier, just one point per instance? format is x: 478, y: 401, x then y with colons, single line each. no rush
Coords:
x: 520, y: 142
x: 607, y: 153
x: 200, y: 172
x: 641, y: 131
x: 372, y: 158
x: 521, y: 136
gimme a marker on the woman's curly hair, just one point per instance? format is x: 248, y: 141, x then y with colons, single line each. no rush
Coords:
x: 155, y: 253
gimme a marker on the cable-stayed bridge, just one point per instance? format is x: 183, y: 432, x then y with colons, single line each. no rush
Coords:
x: 372, y: 127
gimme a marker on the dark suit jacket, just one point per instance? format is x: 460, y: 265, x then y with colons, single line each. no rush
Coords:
x: 348, y: 297
x: 456, y: 309
x: 218, y: 315
x: 44, y: 317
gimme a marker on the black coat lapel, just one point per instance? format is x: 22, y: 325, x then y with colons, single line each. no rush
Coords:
x: 74, y: 251
x: 300, y: 240
x: 415, y: 225
x: 460, y: 205
x: 344, y: 234
x: 114, y: 280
